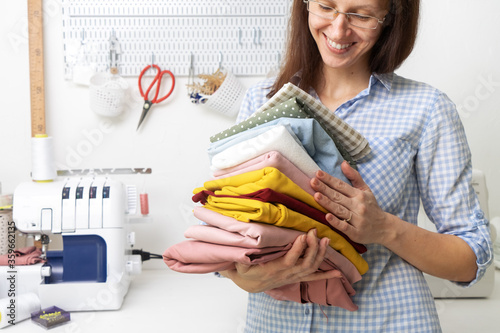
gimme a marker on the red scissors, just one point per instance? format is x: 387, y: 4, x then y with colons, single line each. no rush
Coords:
x: 156, y: 81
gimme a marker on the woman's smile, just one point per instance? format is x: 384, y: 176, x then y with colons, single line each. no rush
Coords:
x: 338, y: 45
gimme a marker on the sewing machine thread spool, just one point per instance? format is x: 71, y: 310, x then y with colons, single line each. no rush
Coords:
x: 144, y: 204
x: 42, y: 159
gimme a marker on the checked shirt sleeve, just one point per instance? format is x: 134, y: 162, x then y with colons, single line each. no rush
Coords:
x: 444, y: 171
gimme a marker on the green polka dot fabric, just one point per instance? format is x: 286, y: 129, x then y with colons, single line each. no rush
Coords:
x: 290, y: 109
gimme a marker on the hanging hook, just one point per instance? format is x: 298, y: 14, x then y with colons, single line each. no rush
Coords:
x: 191, y: 65
x: 257, y: 33
x: 82, y: 36
x: 114, y: 52
x: 191, y: 70
x: 220, y: 60
x: 193, y: 93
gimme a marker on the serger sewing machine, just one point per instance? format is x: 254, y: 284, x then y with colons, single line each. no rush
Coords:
x: 81, y: 223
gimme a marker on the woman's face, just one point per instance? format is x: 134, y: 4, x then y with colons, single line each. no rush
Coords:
x: 342, y: 45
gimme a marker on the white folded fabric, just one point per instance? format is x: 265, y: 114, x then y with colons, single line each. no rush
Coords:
x: 277, y: 138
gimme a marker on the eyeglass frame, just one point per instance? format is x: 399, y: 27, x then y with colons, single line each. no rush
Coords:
x: 337, y: 12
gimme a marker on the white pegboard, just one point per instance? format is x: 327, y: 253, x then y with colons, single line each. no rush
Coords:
x: 246, y: 37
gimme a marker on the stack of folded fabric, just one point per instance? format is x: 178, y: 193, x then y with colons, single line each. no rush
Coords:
x: 260, y: 199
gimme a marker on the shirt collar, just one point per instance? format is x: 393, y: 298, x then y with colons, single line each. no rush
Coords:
x: 386, y: 79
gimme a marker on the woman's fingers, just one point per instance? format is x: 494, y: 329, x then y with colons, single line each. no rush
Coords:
x: 292, y: 256
x: 354, y: 177
x: 300, y: 263
x: 325, y: 183
x: 313, y: 256
x: 336, y: 208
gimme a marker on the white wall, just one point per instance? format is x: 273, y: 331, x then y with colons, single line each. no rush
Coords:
x: 457, y: 51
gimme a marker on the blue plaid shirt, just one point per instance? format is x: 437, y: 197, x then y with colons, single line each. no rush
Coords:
x: 419, y: 152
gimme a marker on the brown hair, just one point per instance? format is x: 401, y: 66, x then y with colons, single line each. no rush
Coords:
x: 391, y: 50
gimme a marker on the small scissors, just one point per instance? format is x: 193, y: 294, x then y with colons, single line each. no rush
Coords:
x: 157, y: 80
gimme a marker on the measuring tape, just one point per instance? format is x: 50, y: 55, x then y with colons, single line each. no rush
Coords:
x: 37, y: 89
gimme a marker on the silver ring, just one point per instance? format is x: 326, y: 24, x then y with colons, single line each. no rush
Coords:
x: 349, y: 219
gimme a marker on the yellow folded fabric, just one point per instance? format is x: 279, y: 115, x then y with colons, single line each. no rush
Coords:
x: 250, y: 210
x: 253, y: 181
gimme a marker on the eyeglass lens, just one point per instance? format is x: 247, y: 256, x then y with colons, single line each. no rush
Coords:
x: 322, y: 10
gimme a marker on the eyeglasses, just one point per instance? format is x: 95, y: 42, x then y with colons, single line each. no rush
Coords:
x: 320, y: 9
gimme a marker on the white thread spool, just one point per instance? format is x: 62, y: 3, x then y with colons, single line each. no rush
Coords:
x: 14, y: 310
x: 42, y: 159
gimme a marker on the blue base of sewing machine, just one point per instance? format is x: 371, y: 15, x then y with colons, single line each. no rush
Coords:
x: 83, y: 260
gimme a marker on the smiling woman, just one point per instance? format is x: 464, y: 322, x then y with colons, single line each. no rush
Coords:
x: 397, y: 37
x: 344, y: 53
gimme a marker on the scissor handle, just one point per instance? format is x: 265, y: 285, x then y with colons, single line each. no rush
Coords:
x: 157, y: 81
x: 155, y: 100
x: 158, y: 71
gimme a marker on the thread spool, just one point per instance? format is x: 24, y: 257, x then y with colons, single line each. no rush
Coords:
x: 15, y: 310
x: 42, y: 159
x: 144, y: 204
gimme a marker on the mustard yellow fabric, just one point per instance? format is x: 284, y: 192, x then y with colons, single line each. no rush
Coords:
x: 253, y: 181
x: 249, y: 210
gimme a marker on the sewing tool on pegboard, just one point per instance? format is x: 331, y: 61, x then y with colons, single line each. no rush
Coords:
x: 108, y: 89
x: 220, y: 91
x: 154, y: 87
x: 248, y: 32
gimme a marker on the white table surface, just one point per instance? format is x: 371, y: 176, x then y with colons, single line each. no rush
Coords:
x: 165, y: 301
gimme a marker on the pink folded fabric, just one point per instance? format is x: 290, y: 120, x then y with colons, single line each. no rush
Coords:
x: 336, y: 291
x: 229, y: 231
x: 271, y: 159
x: 193, y: 256
x: 25, y: 256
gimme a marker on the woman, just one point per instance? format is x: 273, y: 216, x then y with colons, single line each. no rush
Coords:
x: 344, y: 52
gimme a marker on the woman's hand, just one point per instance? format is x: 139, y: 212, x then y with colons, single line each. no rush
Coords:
x: 299, y: 264
x: 353, y: 209
x: 355, y: 212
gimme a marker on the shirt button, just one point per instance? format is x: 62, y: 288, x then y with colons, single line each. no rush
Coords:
x: 306, y: 311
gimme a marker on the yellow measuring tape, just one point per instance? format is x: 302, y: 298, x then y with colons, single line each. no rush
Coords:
x: 37, y: 88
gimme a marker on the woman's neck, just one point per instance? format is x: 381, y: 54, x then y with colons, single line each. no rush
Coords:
x: 339, y: 86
